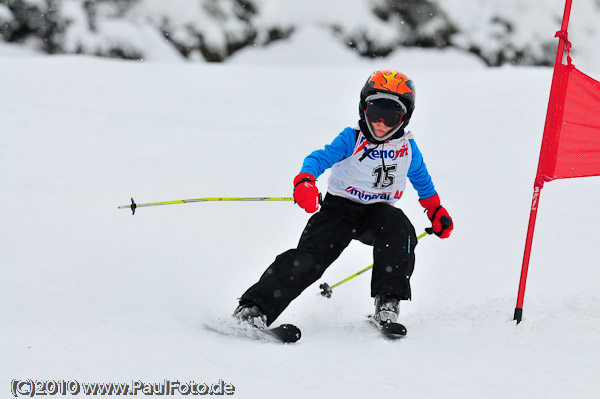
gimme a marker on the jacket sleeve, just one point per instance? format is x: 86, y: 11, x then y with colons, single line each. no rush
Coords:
x: 340, y: 148
x: 418, y: 175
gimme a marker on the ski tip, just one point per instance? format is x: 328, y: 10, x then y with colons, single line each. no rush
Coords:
x: 389, y: 330
x: 291, y: 333
x: 394, y: 330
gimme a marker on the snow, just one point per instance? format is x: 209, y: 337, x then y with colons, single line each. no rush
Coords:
x: 5, y: 13
x: 110, y: 33
x: 299, y: 50
x: 90, y: 293
x: 12, y: 50
x: 499, y: 31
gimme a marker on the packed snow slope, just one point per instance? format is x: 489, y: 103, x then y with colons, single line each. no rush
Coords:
x: 90, y: 293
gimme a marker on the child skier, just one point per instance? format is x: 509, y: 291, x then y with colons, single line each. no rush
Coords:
x: 370, y: 164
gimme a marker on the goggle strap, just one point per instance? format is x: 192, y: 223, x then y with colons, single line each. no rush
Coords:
x: 386, y: 96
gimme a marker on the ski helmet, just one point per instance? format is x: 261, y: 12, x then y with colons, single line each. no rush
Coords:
x: 391, y: 90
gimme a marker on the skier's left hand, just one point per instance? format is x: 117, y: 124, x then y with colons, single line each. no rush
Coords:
x: 441, y: 222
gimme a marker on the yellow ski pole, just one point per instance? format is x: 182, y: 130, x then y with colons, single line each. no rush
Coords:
x: 327, y: 290
x: 134, y: 205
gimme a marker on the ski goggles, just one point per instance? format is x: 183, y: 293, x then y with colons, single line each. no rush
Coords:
x: 384, y: 108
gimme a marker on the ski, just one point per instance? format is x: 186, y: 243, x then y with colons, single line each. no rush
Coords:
x: 389, y: 330
x: 284, y: 333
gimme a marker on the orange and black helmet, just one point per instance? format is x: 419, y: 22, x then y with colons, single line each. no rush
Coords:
x: 392, y: 85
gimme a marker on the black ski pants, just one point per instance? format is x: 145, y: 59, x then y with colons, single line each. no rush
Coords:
x: 327, y: 233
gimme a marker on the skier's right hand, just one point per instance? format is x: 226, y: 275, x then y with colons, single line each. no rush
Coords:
x: 306, y: 193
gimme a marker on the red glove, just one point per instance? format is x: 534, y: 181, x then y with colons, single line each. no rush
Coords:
x: 441, y: 222
x: 306, y: 194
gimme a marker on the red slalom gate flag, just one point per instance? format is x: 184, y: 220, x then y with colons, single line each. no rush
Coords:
x: 571, y: 140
